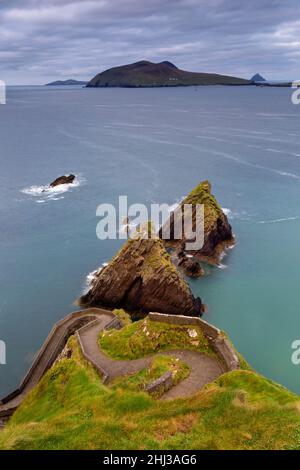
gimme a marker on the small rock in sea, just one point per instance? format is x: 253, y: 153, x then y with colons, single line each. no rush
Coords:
x: 191, y: 267
x: 65, y: 179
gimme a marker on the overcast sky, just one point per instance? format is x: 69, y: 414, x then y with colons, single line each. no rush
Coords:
x: 45, y: 40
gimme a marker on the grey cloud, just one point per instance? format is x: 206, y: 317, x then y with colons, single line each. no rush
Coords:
x: 41, y: 40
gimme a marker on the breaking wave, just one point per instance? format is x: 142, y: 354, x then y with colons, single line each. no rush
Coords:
x: 276, y: 221
x: 45, y: 193
x: 91, y: 276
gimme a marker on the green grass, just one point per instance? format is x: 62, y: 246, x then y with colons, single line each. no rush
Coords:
x: 201, y: 194
x: 123, y: 316
x: 160, y: 365
x: 146, y: 337
x: 71, y: 409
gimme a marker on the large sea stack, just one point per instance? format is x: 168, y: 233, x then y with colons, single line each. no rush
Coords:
x: 142, y: 278
x: 217, y: 230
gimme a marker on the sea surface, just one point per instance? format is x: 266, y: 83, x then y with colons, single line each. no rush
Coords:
x: 153, y: 145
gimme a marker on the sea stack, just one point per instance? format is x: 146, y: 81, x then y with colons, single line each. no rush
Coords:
x: 217, y: 230
x: 142, y: 278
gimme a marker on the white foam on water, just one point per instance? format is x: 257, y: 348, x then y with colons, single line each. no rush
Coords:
x: 91, y: 276
x: 232, y: 214
x: 276, y: 221
x: 226, y: 211
x: 221, y: 266
x: 49, y: 193
x: 274, y: 150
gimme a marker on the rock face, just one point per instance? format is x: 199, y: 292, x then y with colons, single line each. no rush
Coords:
x: 62, y: 180
x: 149, y: 74
x: 217, y: 230
x: 191, y: 267
x: 142, y: 278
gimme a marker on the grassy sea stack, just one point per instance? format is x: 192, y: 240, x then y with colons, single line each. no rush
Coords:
x: 217, y: 230
x: 142, y: 277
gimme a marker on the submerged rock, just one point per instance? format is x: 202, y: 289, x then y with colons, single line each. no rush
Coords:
x: 62, y: 180
x: 217, y: 230
x: 142, y: 278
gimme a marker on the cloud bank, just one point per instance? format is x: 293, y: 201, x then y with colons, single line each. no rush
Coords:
x: 44, y: 40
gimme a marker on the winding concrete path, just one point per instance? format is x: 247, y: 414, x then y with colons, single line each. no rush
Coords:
x: 87, y: 324
x: 203, y: 368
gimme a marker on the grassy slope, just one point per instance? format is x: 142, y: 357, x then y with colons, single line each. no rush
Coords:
x: 71, y: 409
x: 146, y: 337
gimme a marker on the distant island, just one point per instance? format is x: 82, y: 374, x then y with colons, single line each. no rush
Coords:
x: 66, y: 82
x: 257, y: 78
x: 163, y: 74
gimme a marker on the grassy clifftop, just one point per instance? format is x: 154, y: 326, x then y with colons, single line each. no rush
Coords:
x: 145, y: 337
x: 72, y: 409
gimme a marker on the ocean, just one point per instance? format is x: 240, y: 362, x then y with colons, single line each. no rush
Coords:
x: 153, y: 145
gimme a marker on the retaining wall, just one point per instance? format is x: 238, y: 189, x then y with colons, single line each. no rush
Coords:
x: 50, y: 349
x: 216, y: 338
x: 115, y: 323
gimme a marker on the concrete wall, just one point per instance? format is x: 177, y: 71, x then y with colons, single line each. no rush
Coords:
x: 52, y: 347
x: 161, y: 385
x: 115, y: 323
x: 216, y: 338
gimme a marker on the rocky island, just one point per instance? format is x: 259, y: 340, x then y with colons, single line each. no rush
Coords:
x: 162, y: 74
x: 142, y: 278
x: 66, y: 82
x: 217, y: 231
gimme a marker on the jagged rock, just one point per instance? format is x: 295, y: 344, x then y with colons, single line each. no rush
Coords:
x: 217, y: 230
x: 142, y: 278
x: 62, y: 180
x: 191, y: 267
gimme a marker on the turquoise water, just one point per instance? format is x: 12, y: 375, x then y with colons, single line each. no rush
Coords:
x: 153, y: 145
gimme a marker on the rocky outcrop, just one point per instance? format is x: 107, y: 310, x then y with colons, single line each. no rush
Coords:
x: 62, y: 180
x: 217, y: 230
x: 191, y: 267
x: 142, y: 278
x: 188, y: 264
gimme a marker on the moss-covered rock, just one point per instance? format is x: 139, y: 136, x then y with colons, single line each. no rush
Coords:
x: 217, y: 230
